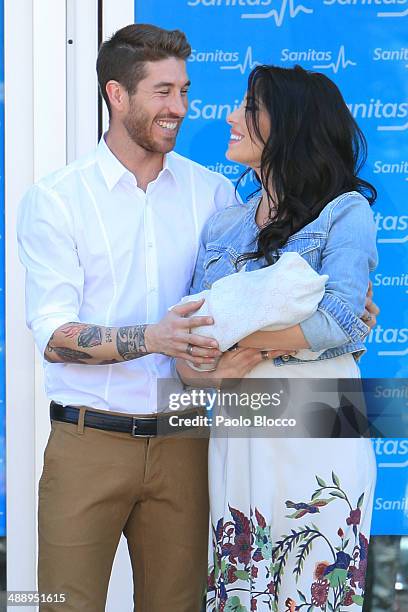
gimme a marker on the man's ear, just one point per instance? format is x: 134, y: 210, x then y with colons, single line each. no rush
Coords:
x: 118, y: 96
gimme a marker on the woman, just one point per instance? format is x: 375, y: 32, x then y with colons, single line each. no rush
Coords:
x: 291, y: 518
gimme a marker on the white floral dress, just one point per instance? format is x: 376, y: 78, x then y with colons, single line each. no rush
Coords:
x: 290, y: 518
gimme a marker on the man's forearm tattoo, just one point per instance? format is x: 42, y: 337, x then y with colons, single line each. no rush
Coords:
x: 109, y: 362
x: 66, y: 354
x: 130, y: 342
x: 88, y: 335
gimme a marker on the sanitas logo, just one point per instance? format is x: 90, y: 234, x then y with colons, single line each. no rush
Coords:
x: 391, y: 335
x: 199, y: 110
x: 394, y: 8
x: 287, y: 8
x: 390, y: 448
x: 384, y: 280
x: 248, y: 63
x: 213, y: 57
x: 322, y: 60
x: 391, y: 55
x: 399, y: 168
x: 392, y: 229
x: 231, y: 171
x: 393, y: 112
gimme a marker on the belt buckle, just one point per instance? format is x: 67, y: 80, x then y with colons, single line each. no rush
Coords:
x: 134, y: 428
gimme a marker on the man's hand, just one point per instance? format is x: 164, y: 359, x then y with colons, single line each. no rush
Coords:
x: 371, y: 309
x: 88, y: 344
x: 172, y: 335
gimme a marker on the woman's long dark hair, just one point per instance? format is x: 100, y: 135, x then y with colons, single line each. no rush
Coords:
x: 314, y: 151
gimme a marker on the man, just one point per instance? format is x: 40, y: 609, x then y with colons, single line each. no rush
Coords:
x: 109, y: 244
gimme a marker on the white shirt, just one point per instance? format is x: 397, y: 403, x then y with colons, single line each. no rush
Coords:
x: 98, y: 249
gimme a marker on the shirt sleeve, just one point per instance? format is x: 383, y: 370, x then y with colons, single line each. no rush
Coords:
x: 47, y: 250
x: 348, y: 257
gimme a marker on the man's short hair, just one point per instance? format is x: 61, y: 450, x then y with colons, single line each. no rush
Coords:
x: 123, y: 57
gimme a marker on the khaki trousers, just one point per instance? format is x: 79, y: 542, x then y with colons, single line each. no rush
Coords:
x: 97, y: 485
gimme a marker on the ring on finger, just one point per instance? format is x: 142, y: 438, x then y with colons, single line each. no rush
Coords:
x: 189, y: 350
x: 367, y: 317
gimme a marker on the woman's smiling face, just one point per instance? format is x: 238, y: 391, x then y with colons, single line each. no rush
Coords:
x: 244, y: 146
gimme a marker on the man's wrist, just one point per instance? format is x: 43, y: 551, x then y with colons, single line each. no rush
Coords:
x: 150, y: 338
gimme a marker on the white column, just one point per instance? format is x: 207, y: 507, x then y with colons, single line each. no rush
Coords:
x: 82, y: 82
x: 35, y: 125
x: 19, y: 166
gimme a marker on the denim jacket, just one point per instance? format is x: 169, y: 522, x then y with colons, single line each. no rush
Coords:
x: 341, y: 243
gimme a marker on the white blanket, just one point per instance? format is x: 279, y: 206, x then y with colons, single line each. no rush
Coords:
x: 272, y: 298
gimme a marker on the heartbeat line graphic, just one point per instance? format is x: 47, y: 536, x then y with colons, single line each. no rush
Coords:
x: 393, y: 128
x: 400, y: 14
x: 394, y: 353
x: 341, y: 62
x: 248, y: 62
x: 393, y: 465
x: 279, y: 15
x: 393, y: 240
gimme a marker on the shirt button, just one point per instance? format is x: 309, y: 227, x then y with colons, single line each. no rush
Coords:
x: 150, y: 245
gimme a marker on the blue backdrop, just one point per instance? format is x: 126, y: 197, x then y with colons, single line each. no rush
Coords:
x: 363, y: 46
x: 2, y: 285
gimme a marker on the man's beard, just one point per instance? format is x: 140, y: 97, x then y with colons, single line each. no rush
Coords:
x: 137, y: 124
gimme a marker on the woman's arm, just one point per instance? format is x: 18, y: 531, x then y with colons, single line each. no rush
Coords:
x: 285, y: 340
x: 293, y: 338
x: 349, y: 255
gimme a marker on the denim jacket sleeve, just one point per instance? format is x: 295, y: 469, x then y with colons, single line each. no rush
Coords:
x: 212, y: 229
x: 348, y: 256
x: 196, y: 283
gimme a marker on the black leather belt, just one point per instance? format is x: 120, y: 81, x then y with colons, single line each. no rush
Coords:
x: 143, y: 427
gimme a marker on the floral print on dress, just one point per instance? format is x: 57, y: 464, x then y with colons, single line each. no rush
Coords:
x: 246, y: 560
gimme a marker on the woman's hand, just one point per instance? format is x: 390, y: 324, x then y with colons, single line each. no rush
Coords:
x: 232, y: 364
x: 237, y: 363
x: 371, y: 309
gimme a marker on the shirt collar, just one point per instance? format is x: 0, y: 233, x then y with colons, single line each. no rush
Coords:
x: 113, y: 170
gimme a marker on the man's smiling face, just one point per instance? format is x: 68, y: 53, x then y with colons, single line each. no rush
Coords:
x: 159, y: 105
